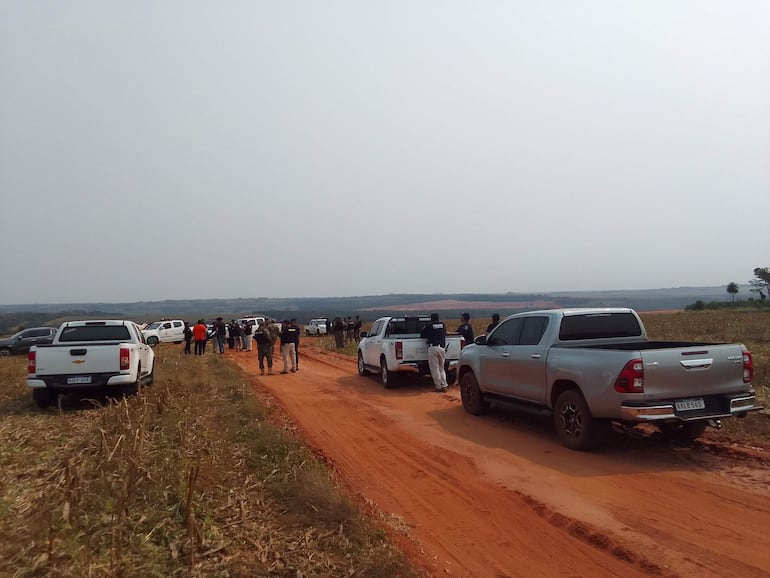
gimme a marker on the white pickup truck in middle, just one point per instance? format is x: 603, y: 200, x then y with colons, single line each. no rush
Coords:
x: 393, y: 346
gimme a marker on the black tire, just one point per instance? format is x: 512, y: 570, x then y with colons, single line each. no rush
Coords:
x: 576, y: 427
x: 150, y: 379
x: 387, y: 378
x: 5, y: 352
x: 44, y: 397
x: 472, y: 398
x: 683, y: 431
x: 361, y: 366
x: 152, y: 341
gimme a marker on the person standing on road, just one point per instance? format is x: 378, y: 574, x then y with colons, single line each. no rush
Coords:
x: 289, y: 340
x: 247, y: 332
x: 219, y: 327
x: 465, y: 329
x: 495, y: 322
x: 199, y: 335
x: 295, y: 324
x: 264, y: 338
x: 435, y: 335
x: 338, y: 330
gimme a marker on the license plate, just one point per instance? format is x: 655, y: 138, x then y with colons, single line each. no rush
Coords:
x: 76, y: 380
x: 688, y: 404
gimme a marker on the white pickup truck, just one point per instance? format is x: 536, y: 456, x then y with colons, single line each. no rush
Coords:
x: 393, y: 346
x: 164, y: 331
x: 317, y: 326
x: 106, y: 357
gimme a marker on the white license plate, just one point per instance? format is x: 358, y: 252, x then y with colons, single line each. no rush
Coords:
x: 687, y: 404
x: 76, y: 380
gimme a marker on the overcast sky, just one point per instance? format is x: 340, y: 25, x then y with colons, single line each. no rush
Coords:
x: 185, y: 149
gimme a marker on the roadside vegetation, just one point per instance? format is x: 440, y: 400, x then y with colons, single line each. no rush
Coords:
x: 196, y: 476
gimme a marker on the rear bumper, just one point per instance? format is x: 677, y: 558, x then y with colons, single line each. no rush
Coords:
x: 59, y: 382
x: 717, y: 407
x: 421, y: 367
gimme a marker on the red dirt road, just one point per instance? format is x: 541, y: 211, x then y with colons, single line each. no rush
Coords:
x: 499, y: 496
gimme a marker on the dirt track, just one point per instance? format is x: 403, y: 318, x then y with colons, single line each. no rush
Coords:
x: 499, y: 496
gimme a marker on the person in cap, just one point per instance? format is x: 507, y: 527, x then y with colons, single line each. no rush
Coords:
x: 289, y: 341
x: 434, y: 334
x: 495, y: 322
x: 465, y: 329
x: 265, y: 339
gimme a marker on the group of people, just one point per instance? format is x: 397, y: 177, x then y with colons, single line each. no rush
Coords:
x: 239, y: 337
x: 345, y: 330
x: 435, y: 335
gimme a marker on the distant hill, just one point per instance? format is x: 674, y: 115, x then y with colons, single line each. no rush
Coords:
x: 368, y: 307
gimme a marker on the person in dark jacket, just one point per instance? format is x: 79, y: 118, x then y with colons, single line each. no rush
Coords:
x: 435, y: 335
x: 465, y: 329
x: 495, y: 322
x: 289, y: 341
x: 188, y: 337
x: 264, y: 338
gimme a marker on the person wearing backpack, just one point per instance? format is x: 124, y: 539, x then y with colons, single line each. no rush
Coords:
x: 264, y: 338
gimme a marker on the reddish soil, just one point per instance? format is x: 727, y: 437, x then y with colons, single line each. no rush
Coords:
x: 499, y: 496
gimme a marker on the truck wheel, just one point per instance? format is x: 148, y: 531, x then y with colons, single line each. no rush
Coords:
x: 470, y: 393
x: 43, y: 397
x: 683, y: 431
x: 5, y: 352
x: 361, y: 366
x: 152, y: 341
x: 388, y: 379
x: 576, y: 427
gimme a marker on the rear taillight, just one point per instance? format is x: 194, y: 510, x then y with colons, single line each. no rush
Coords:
x: 31, y: 362
x: 631, y: 379
x: 748, y: 367
x: 399, y: 350
x: 125, y: 358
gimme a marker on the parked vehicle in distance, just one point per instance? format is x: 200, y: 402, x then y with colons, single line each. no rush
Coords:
x: 317, y: 326
x: 251, y: 321
x: 109, y: 356
x: 165, y: 331
x: 20, y: 343
x: 393, y: 346
x: 590, y: 367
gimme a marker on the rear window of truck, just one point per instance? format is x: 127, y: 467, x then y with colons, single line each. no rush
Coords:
x: 407, y: 325
x: 95, y: 333
x: 599, y: 326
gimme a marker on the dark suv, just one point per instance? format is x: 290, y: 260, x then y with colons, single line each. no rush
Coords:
x: 19, y: 343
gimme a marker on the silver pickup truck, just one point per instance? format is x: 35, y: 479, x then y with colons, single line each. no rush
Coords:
x: 393, y: 347
x: 589, y: 367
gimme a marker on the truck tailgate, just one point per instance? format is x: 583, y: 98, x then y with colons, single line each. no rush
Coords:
x: 693, y: 371
x: 74, y: 359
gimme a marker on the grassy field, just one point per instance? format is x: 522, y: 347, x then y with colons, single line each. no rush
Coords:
x: 195, y: 477
x: 748, y: 326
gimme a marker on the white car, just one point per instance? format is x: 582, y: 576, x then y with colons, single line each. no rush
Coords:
x: 317, y: 326
x: 166, y: 331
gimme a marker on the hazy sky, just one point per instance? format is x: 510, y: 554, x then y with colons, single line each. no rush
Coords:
x: 185, y: 149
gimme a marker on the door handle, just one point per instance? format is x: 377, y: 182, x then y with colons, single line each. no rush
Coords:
x: 536, y: 356
x: 506, y: 354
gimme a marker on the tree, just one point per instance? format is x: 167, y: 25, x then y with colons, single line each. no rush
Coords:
x: 761, y: 282
x: 732, y: 289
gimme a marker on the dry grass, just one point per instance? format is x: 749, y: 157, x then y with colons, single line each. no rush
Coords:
x: 190, y: 478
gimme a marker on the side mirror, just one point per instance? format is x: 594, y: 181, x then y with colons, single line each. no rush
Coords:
x: 480, y: 340
x: 363, y: 334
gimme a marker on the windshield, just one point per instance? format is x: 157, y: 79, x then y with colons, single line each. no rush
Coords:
x: 153, y: 325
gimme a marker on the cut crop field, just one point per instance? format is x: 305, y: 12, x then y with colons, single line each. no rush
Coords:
x: 218, y: 471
